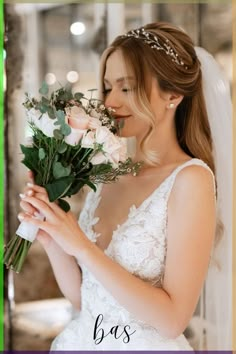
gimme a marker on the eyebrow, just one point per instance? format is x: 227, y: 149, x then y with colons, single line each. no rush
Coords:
x: 120, y: 79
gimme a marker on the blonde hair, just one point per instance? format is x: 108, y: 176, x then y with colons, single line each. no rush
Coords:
x: 192, y: 126
x: 191, y: 120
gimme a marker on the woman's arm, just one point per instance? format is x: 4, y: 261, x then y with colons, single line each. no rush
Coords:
x: 67, y: 273
x: 191, y: 228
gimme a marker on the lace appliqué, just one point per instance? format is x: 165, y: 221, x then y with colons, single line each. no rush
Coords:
x: 139, y: 245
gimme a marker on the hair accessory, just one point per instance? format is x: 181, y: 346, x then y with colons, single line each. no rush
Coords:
x: 154, y: 43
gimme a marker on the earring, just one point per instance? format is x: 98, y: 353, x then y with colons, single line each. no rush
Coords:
x: 171, y: 105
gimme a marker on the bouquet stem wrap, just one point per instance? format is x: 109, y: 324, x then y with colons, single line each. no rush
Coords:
x: 18, y: 247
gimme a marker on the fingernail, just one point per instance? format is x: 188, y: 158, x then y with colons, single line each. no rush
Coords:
x: 22, y: 196
x: 29, y: 193
x: 30, y: 184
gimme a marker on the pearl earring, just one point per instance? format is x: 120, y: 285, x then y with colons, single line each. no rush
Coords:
x: 171, y: 105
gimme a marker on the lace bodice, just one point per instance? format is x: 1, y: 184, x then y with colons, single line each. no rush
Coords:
x: 139, y: 245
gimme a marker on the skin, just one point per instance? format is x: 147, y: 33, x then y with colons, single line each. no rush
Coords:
x: 190, y: 230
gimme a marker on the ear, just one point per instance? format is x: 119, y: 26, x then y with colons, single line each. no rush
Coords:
x: 174, y: 99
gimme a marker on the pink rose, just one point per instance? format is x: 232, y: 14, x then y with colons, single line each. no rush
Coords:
x: 77, y: 118
x: 94, y: 123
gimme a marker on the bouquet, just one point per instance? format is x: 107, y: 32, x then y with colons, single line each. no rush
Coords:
x: 73, y: 144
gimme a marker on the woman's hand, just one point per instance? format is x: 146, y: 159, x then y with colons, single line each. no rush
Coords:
x: 43, y: 237
x: 62, y: 227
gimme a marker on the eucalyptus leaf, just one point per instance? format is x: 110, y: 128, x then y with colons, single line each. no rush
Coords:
x: 60, y: 171
x: 62, y: 148
x: 45, y: 100
x: 60, y: 116
x: 43, y: 108
x: 42, y: 154
x: 57, y: 134
x: 44, y: 88
x: 51, y: 112
x: 65, y: 129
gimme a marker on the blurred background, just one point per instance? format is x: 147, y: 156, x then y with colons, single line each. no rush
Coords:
x: 62, y: 43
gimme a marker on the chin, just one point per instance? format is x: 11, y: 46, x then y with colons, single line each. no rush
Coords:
x: 125, y: 134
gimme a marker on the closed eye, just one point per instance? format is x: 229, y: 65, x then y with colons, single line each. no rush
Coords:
x: 106, y: 91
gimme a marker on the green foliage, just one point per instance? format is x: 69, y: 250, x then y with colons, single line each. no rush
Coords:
x: 63, y: 205
x: 44, y: 88
x: 42, y: 154
x: 31, y: 157
x: 57, y: 134
x: 62, y: 148
x: 78, y: 96
x: 60, y: 171
x: 63, y: 169
x: 59, y: 188
x: 65, y: 129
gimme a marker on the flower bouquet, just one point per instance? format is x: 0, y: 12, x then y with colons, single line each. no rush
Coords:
x: 73, y: 144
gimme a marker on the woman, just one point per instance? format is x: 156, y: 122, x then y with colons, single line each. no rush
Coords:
x: 143, y: 244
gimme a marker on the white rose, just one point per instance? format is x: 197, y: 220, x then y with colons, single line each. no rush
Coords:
x: 33, y: 116
x: 99, y: 158
x: 29, y: 141
x: 123, y: 150
x: 115, y: 150
x: 75, y: 136
x: 88, y: 140
x: 45, y: 124
x: 102, y: 135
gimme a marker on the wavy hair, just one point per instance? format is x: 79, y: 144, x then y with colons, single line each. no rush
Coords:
x: 191, y: 120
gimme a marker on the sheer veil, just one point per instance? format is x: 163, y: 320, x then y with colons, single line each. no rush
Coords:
x: 216, y: 300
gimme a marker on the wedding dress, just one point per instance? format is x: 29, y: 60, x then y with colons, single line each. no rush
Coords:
x: 139, y: 245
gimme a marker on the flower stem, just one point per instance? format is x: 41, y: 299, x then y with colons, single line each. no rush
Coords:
x: 16, y: 252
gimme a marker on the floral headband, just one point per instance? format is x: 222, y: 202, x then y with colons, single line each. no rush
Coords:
x: 154, y: 43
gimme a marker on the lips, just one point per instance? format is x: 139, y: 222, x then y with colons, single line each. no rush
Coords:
x: 122, y: 117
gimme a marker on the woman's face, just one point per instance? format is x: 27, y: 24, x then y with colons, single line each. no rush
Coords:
x: 119, y: 87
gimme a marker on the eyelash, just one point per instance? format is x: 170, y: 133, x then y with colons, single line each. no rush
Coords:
x: 106, y: 91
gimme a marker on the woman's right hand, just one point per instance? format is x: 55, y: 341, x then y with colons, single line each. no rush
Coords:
x: 43, y: 237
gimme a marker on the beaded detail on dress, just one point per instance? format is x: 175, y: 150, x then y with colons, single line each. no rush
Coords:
x: 139, y: 245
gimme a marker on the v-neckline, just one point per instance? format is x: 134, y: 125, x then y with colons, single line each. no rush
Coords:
x: 132, y: 207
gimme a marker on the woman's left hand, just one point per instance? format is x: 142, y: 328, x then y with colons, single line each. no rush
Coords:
x: 61, y: 226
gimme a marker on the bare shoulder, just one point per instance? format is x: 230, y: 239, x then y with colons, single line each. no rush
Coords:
x: 195, y: 179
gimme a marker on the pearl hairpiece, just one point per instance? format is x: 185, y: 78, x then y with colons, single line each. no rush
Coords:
x: 154, y: 43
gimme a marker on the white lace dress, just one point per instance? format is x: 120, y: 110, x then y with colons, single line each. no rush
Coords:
x: 139, y: 245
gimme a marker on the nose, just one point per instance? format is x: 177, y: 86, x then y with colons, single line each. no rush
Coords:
x: 112, y: 100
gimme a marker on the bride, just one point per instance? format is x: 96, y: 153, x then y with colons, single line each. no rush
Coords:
x: 136, y: 263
